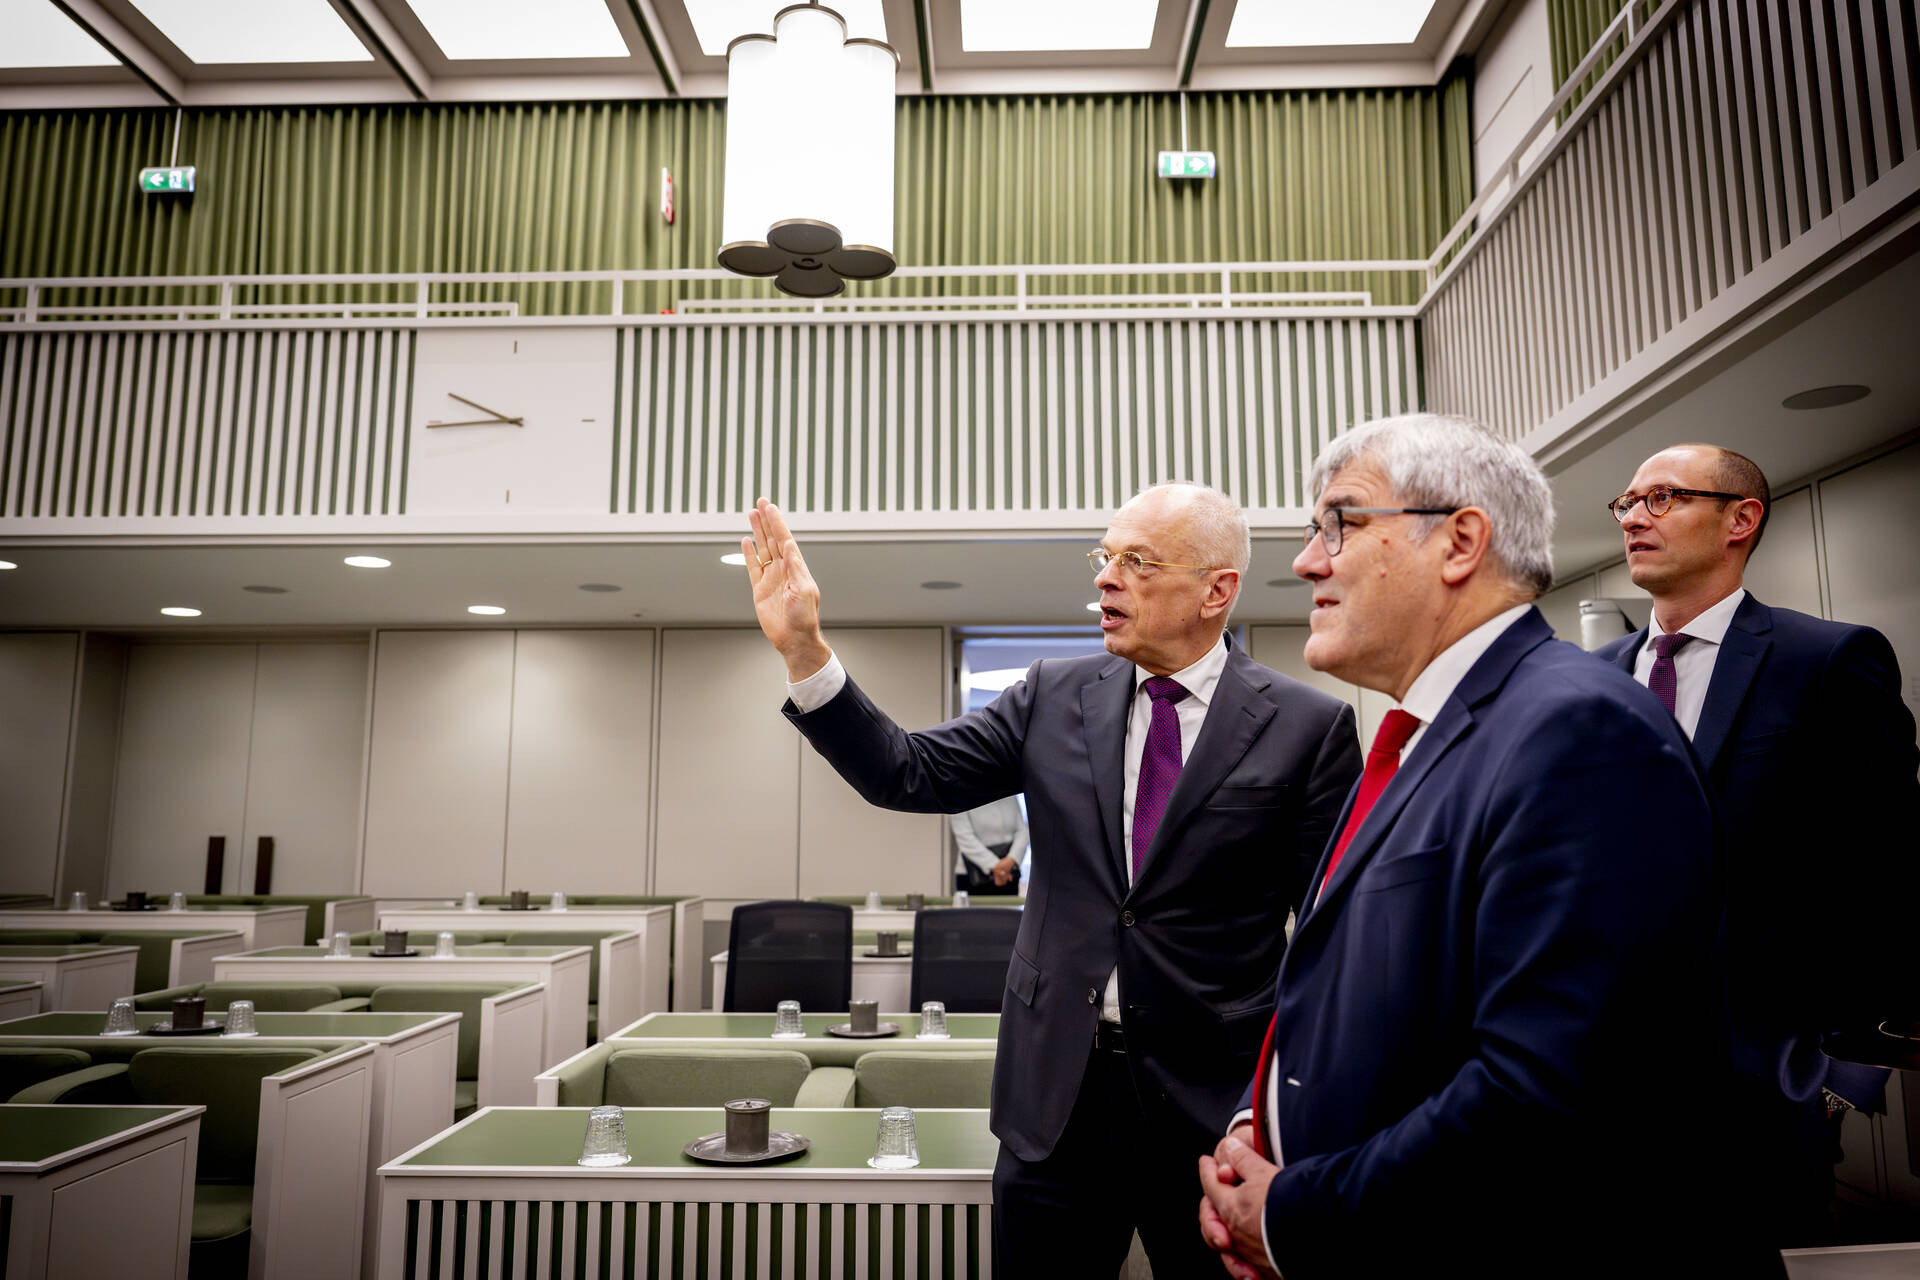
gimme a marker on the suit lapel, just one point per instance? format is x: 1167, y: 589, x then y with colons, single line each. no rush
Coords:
x: 1741, y: 651
x: 1630, y: 653
x: 1238, y: 712
x: 1104, y: 704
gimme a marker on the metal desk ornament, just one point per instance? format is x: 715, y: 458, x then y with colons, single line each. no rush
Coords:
x: 749, y: 1137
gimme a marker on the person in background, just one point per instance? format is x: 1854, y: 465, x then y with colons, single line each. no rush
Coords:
x: 1503, y: 977
x: 992, y: 841
x: 1809, y: 752
x: 1178, y: 793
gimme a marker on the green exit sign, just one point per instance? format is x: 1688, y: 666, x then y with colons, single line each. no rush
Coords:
x: 1187, y: 164
x: 172, y: 178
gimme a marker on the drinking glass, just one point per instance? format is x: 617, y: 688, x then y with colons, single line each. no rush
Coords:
x: 558, y: 902
x: 786, y: 1021
x: 443, y: 944
x: 342, y: 945
x: 606, y: 1141
x: 240, y: 1019
x: 896, y: 1146
x: 873, y: 901
x: 176, y: 901
x: 78, y: 901
x: 933, y: 1021
x: 960, y: 898
x: 471, y: 902
x: 120, y: 1019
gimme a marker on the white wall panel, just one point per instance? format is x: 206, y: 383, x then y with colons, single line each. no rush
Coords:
x: 1785, y: 571
x: 183, y: 765
x: 307, y: 765
x: 847, y: 845
x: 1282, y: 648
x: 96, y: 753
x: 577, y: 810
x: 437, y: 779
x: 729, y: 775
x: 1871, y: 519
x: 36, y: 700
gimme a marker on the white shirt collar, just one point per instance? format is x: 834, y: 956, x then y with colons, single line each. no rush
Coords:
x: 1433, y: 686
x: 1199, y: 679
x: 1712, y: 623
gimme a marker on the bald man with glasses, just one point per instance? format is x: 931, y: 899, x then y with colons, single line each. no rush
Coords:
x: 1178, y: 794
x: 1809, y: 752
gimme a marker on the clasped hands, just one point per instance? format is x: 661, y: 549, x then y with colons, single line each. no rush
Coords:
x: 1234, y: 1179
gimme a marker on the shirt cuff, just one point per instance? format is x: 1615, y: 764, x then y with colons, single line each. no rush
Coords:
x: 1246, y: 1117
x: 820, y: 688
x: 1239, y: 1118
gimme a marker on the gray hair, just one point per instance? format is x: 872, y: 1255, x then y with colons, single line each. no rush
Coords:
x: 1432, y: 460
x: 1217, y: 526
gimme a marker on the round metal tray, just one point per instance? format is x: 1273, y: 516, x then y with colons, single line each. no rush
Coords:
x: 168, y: 1029
x: 845, y: 1029
x: 712, y: 1149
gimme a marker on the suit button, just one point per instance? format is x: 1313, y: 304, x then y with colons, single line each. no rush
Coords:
x: 1093, y: 997
x: 1126, y: 918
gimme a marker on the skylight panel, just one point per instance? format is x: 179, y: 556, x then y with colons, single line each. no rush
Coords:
x: 1266, y: 24
x: 718, y: 22
x: 1023, y: 26
x: 39, y: 35
x: 229, y: 31
x: 515, y: 29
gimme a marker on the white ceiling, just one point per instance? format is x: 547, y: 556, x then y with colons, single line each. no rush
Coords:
x: 250, y: 52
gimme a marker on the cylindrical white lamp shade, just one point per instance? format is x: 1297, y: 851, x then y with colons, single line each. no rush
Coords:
x: 809, y: 185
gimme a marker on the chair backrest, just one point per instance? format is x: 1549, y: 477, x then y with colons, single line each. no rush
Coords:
x: 269, y: 997
x: 463, y: 998
x: 960, y: 957
x: 658, y: 1077
x: 224, y: 1079
x: 789, y: 950
x: 38, y: 937
x: 419, y: 938
x: 588, y: 938
x: 923, y: 1078
x: 22, y: 1065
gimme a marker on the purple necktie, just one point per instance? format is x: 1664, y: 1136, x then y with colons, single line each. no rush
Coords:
x: 1159, y: 765
x: 1662, y: 679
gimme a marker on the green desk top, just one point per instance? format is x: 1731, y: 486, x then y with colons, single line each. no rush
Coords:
x: 30, y: 951
x: 550, y: 1137
x: 494, y: 952
x: 31, y: 1135
x: 304, y: 1025
x: 982, y: 1028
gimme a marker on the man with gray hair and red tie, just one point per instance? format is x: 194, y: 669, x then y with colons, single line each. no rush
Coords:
x: 1799, y: 724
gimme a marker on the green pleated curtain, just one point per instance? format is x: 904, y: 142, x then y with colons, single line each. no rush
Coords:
x: 1354, y: 174
x: 1572, y: 27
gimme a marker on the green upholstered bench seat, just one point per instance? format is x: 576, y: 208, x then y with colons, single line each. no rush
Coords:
x: 909, y: 1078
x: 41, y: 937
x: 221, y: 1210
x: 710, y: 1077
x: 24, y: 1065
x: 463, y: 998
x: 267, y: 997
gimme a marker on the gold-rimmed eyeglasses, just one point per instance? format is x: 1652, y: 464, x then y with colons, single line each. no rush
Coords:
x: 1659, y: 500
x: 1134, y: 562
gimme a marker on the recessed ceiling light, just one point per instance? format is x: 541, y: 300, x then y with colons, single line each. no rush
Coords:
x: 488, y: 609
x: 1827, y: 397
x: 180, y: 611
x: 468, y: 29
x: 40, y: 35
x: 228, y: 31
x: 717, y: 22
x: 7, y: 564
x: 1262, y: 24
x: 1094, y: 607
x: 367, y: 562
x: 266, y: 591
x: 734, y: 557
x: 598, y: 586
x: 940, y: 585
x: 1014, y: 26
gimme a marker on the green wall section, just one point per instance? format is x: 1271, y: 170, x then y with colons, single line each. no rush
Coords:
x: 1573, y: 26
x: 575, y: 186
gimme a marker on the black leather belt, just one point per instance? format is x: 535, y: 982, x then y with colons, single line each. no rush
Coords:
x: 1109, y: 1036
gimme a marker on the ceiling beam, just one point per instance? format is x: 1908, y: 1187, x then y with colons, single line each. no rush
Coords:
x: 923, y: 32
x: 649, y: 23
x: 133, y: 52
x: 1190, y: 39
x: 379, y: 34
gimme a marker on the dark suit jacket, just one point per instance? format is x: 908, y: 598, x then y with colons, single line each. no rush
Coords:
x: 1809, y: 753
x: 1472, y: 1021
x: 1198, y: 936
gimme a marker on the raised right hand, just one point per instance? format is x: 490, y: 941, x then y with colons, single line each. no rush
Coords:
x: 786, y: 600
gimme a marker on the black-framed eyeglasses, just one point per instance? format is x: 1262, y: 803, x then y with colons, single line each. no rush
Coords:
x: 1133, y: 561
x: 1659, y: 500
x: 1332, y: 532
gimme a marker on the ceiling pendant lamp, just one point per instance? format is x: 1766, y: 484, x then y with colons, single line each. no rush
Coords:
x: 809, y: 185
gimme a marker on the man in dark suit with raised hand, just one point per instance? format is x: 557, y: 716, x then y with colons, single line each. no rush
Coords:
x: 1178, y: 795
x: 1810, y: 755
x: 1503, y: 968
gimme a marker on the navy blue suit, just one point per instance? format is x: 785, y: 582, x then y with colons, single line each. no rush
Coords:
x: 1809, y: 753
x: 1514, y: 961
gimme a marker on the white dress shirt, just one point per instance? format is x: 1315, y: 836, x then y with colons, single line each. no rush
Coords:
x: 1693, y: 663
x: 1199, y: 680
x: 1426, y: 696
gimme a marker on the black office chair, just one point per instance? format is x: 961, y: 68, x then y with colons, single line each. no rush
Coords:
x: 789, y: 950
x: 960, y: 957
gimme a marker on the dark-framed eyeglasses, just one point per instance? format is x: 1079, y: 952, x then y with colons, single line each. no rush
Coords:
x: 1134, y: 562
x: 1330, y: 528
x: 1659, y: 500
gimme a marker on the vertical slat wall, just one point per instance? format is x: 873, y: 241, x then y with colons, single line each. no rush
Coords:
x: 1741, y: 126
x: 977, y: 417
x: 205, y: 423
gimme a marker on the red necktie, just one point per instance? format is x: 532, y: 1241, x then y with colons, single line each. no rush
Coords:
x: 1383, y: 760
